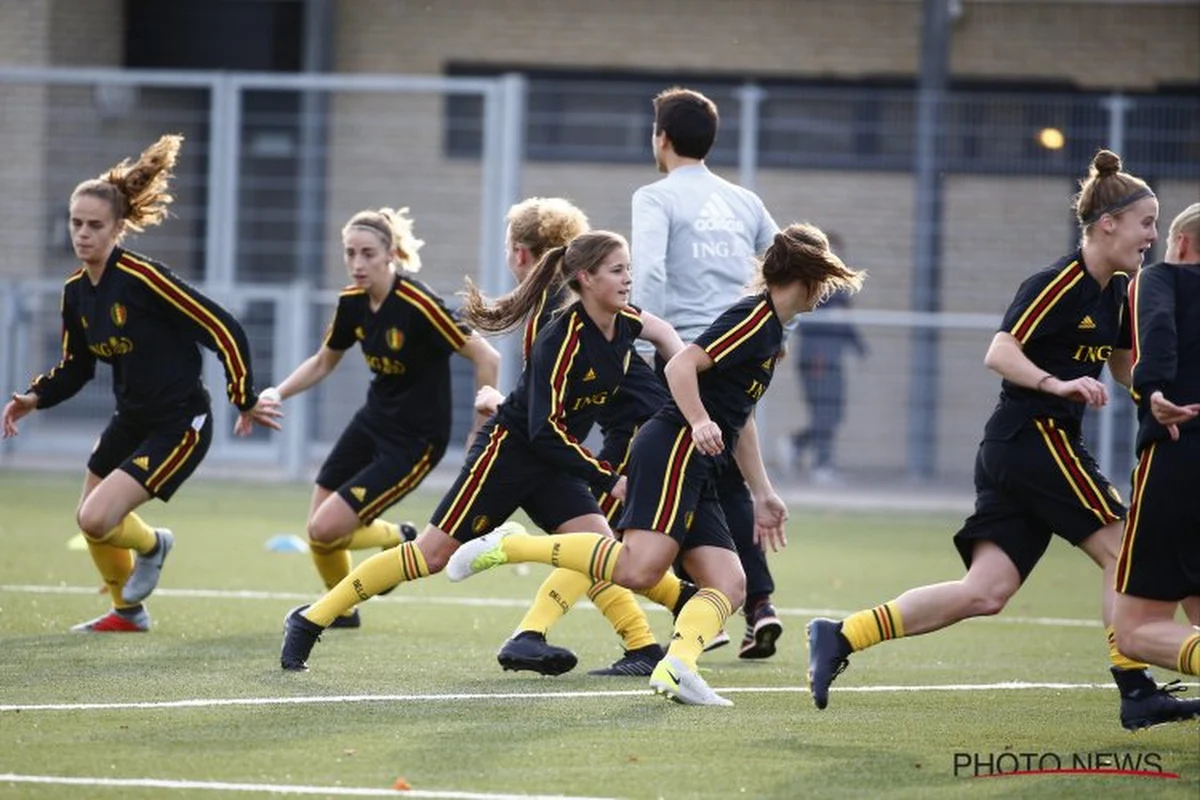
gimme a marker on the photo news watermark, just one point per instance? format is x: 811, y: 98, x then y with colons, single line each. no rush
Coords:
x: 1010, y: 763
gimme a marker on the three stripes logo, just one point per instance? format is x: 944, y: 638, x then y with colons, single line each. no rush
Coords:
x: 142, y: 463
x: 590, y: 375
x: 1087, y: 323
x: 359, y: 493
x: 716, y: 215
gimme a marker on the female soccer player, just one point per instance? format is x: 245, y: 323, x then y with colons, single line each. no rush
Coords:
x: 407, y: 336
x: 678, y: 457
x: 1034, y: 477
x: 1159, y: 563
x: 529, y: 455
x: 536, y: 225
x: 134, y: 314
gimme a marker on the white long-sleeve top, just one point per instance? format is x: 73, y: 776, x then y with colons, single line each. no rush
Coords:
x: 695, y: 238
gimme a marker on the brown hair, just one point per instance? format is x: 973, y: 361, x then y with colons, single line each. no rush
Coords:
x: 801, y: 252
x: 539, y: 223
x: 559, y: 265
x: 137, y: 192
x: 1106, y: 190
x: 395, y: 229
x: 688, y: 118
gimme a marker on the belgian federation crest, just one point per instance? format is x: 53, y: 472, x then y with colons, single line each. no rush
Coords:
x: 119, y: 315
x: 394, y: 338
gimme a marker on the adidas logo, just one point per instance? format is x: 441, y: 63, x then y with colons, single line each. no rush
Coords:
x: 359, y: 493
x: 1087, y: 324
x: 716, y: 215
x: 142, y: 463
x: 591, y: 375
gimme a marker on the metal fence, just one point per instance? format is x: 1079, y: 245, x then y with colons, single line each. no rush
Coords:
x: 274, y: 164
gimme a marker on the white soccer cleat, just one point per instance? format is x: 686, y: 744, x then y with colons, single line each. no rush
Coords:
x: 482, y: 553
x: 148, y: 569
x: 675, y: 681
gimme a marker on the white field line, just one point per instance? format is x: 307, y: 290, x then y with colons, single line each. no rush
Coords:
x: 1006, y: 686
x: 269, y: 788
x: 492, y: 602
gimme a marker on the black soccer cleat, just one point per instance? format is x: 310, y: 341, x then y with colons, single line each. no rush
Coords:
x: 635, y: 663
x: 530, y: 651
x: 299, y: 636
x: 762, y: 629
x: 828, y: 657
x: 351, y: 620
x: 1144, y: 703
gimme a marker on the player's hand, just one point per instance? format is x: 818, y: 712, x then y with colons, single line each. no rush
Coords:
x: 487, y: 400
x: 1170, y: 415
x: 619, y: 489
x: 770, y: 514
x: 266, y: 412
x: 19, y: 406
x: 1081, y: 390
x: 708, y: 439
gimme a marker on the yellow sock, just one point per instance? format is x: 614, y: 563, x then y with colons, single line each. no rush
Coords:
x: 379, y: 572
x: 1189, y: 656
x: 378, y: 534
x: 666, y: 592
x: 114, y: 565
x: 621, y: 609
x: 872, y: 626
x: 1117, y: 657
x: 702, y: 618
x: 331, y: 560
x: 561, y: 590
x: 132, y: 533
x: 590, y: 553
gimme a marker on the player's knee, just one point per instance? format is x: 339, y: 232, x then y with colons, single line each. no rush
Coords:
x: 635, y: 576
x: 1129, y: 641
x: 989, y: 601
x: 322, y: 533
x: 93, y: 521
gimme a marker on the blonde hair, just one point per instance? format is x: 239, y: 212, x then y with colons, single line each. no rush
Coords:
x: 395, y: 229
x: 1106, y: 190
x: 137, y: 192
x: 801, y: 252
x: 540, y: 223
x: 1186, y: 222
x: 557, y: 266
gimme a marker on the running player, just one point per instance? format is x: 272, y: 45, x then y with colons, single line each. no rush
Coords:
x: 1159, y: 563
x: 529, y: 455
x: 677, y: 460
x: 131, y: 312
x: 407, y: 336
x: 1034, y: 477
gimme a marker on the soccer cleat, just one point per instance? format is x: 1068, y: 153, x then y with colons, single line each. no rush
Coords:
x: 640, y: 662
x: 529, y: 651
x: 762, y: 629
x: 408, y: 533
x: 148, y: 568
x: 114, y: 621
x: 673, y: 680
x: 1144, y: 703
x: 351, y: 620
x: 299, y: 636
x: 828, y: 656
x: 717, y: 642
x: 482, y: 553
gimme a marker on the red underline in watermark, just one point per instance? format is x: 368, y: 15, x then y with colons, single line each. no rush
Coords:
x: 1135, y: 773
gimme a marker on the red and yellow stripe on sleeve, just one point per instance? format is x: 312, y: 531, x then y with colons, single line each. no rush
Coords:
x: 729, y: 341
x: 225, y: 341
x: 1137, y: 345
x: 435, y: 312
x: 1062, y: 283
x: 558, y: 392
x: 533, y: 324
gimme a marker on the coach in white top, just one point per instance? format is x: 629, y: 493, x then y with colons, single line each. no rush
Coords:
x: 695, y: 238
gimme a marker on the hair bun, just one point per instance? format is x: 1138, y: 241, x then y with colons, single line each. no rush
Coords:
x: 1106, y: 162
